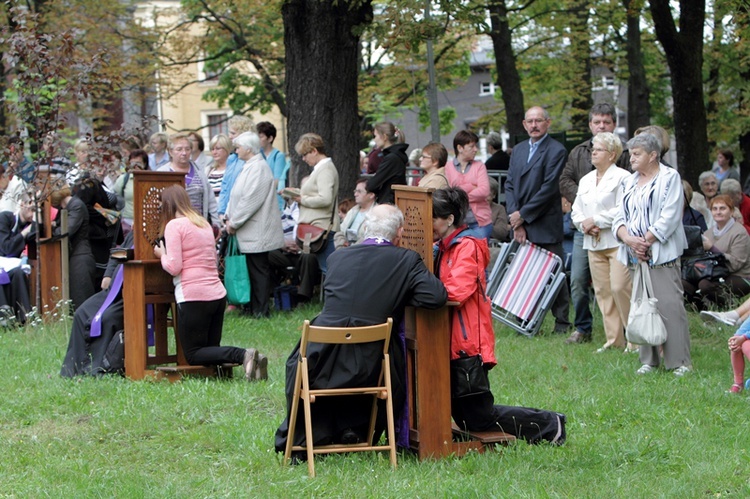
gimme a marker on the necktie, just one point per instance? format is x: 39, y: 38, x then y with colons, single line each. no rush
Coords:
x: 532, y: 150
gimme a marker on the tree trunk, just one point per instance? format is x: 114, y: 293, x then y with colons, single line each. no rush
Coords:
x: 322, y: 65
x: 508, y: 78
x: 684, y: 51
x: 743, y: 23
x: 639, y: 106
x: 581, y: 59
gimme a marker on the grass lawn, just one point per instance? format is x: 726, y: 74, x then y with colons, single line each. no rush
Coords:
x: 628, y: 436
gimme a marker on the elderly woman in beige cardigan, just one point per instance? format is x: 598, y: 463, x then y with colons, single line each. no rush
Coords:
x: 253, y: 216
x: 317, y: 200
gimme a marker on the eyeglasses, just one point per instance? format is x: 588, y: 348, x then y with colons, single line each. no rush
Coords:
x: 425, y: 157
x: 598, y: 149
x: 360, y: 191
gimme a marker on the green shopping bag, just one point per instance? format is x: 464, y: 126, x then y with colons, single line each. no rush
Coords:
x: 236, y: 278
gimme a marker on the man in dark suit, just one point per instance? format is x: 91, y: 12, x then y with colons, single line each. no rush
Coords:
x: 366, y: 283
x: 532, y: 194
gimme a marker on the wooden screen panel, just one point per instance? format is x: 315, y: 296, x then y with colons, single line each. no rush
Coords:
x: 416, y: 205
x: 147, y: 188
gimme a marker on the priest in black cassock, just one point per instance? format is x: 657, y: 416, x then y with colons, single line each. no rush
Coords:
x: 96, y: 343
x: 365, y: 284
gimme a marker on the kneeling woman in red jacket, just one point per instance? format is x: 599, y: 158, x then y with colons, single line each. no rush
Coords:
x: 461, y: 262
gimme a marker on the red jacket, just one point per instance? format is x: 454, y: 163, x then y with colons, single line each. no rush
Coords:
x: 462, y: 260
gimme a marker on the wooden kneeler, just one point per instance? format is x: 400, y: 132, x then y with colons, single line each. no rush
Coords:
x: 302, y: 390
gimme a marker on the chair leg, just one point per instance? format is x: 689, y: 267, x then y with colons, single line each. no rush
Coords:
x: 308, y: 422
x: 389, y: 412
x: 293, y: 415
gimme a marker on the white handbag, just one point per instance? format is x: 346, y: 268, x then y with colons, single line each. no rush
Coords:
x: 645, y: 325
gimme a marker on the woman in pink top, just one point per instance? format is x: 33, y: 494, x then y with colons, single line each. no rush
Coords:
x: 188, y: 252
x: 471, y: 176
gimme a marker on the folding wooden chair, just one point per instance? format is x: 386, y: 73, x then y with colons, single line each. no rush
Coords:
x: 346, y: 336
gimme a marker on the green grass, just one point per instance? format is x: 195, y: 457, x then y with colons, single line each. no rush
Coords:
x: 628, y: 436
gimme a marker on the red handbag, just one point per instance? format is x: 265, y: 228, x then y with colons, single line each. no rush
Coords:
x: 311, y: 239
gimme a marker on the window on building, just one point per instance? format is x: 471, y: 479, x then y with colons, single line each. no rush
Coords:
x: 217, y: 123
x: 486, y: 88
x: 607, y: 82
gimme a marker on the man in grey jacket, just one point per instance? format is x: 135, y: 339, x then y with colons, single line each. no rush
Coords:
x: 602, y: 118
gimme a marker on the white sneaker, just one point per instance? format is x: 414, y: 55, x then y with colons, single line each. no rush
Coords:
x: 645, y: 369
x: 730, y: 318
x: 681, y: 371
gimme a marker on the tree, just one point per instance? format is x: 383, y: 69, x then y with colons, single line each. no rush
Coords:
x: 684, y: 52
x: 322, y: 64
x: 508, y: 77
x: 52, y: 75
x: 728, y: 79
x: 96, y: 29
x: 241, y: 42
x: 639, y: 107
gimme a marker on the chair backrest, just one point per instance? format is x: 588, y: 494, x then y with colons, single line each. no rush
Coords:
x: 346, y: 335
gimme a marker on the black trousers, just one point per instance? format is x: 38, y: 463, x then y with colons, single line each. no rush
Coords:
x: 259, y: 269
x: 306, y: 273
x: 199, y: 324
x: 479, y: 413
x: 16, y: 294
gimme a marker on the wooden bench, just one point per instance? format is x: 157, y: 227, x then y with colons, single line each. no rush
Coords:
x: 481, y: 440
x: 177, y: 372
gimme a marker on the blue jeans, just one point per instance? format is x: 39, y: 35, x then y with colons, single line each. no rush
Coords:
x: 580, y: 286
x: 323, y: 255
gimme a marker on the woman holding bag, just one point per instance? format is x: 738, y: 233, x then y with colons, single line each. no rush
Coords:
x: 649, y: 224
x: 253, y: 216
x: 728, y: 238
x: 317, y: 199
x: 188, y: 252
x: 460, y: 264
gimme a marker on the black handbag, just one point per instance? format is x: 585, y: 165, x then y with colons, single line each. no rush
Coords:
x: 468, y: 377
x: 707, y: 266
x: 694, y: 240
x: 693, y: 235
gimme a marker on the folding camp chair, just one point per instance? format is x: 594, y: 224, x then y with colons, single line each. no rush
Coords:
x: 302, y: 390
x: 523, y: 284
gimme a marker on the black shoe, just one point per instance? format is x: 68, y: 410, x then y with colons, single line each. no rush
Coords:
x: 349, y: 437
x: 561, y: 439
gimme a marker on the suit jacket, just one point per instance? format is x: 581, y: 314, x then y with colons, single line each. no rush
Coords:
x: 533, y: 188
x: 12, y: 241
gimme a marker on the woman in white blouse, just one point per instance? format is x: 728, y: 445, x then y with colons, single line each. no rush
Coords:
x: 598, y: 201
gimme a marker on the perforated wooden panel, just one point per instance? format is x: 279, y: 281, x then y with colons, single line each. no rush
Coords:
x: 416, y: 205
x: 147, y: 188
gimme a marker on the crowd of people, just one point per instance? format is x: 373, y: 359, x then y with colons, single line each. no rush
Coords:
x: 626, y: 205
